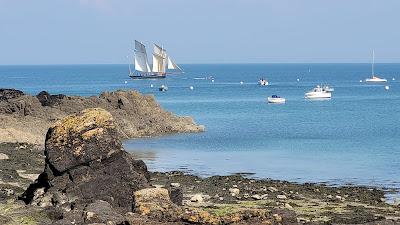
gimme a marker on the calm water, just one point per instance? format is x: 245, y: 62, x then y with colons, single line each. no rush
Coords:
x: 352, y: 138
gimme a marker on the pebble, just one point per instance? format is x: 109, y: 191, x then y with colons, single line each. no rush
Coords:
x: 3, y: 156
x: 256, y: 197
x: 272, y: 189
x: 329, y: 196
x: 288, y: 206
x: 234, y: 191
x: 221, y: 198
x: 235, y: 186
x: 338, y: 197
x: 175, y: 184
x: 277, y: 217
x: 281, y: 197
x: 264, y: 196
x: 197, y: 198
x: 246, y: 195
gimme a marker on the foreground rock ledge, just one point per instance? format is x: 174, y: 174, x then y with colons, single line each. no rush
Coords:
x: 85, y: 162
x: 26, y: 119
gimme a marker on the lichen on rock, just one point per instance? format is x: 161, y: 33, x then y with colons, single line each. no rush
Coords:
x: 85, y: 162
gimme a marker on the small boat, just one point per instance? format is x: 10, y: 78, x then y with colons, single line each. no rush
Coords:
x: 163, y: 88
x: 263, y: 82
x: 276, y: 99
x: 318, y: 93
x: 374, y: 78
x: 328, y: 89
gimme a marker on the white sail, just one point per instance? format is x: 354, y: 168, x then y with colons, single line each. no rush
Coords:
x: 158, y: 64
x: 159, y: 59
x: 141, y: 63
x: 159, y: 50
x: 172, y: 65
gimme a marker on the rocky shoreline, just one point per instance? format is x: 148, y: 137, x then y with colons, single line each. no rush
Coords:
x: 219, y: 198
x: 82, y: 175
x: 26, y: 119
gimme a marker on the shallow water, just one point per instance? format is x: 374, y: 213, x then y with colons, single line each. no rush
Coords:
x: 352, y: 138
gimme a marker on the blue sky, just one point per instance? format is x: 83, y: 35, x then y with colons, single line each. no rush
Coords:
x: 194, y: 31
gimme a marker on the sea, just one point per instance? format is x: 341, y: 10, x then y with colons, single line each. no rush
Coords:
x: 351, y: 139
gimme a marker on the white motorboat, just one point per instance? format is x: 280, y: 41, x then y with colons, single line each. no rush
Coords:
x: 328, y: 89
x: 374, y: 78
x: 276, y: 99
x: 318, y: 93
x: 263, y: 82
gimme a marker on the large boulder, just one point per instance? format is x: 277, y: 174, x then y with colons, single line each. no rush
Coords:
x: 85, y: 162
x: 81, y: 138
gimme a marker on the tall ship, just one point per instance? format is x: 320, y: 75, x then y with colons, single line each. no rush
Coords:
x: 162, y: 63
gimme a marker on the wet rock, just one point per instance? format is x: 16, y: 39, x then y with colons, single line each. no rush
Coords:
x: 85, y: 162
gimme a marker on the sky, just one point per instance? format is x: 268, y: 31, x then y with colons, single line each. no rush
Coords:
x: 200, y: 31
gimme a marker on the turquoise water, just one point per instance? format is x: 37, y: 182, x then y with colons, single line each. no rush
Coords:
x: 352, y: 138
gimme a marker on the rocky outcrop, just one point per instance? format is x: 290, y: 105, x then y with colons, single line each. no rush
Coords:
x: 6, y: 94
x: 85, y: 162
x: 25, y: 118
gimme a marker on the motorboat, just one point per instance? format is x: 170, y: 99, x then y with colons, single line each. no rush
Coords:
x: 163, y: 88
x: 263, y: 82
x: 276, y: 99
x: 318, y: 93
x: 328, y: 89
x: 374, y: 78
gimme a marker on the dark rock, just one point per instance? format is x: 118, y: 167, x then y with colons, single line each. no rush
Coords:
x: 102, y: 212
x: 80, y: 139
x: 85, y: 162
x: 176, y: 195
x: 6, y: 94
x: 49, y: 100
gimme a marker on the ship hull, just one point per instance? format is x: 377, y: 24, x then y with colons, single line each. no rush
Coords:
x: 148, y: 76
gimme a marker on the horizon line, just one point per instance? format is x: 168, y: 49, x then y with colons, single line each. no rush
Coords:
x: 229, y: 63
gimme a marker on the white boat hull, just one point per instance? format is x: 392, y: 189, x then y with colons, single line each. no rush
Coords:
x: 375, y: 80
x: 276, y: 100
x: 318, y: 95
